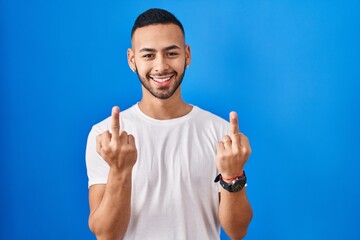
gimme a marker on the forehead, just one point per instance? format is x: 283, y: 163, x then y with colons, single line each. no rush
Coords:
x: 157, y: 36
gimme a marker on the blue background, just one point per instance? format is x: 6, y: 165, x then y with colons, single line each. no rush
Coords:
x: 290, y: 69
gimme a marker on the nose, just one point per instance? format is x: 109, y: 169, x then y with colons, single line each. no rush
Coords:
x: 160, y: 64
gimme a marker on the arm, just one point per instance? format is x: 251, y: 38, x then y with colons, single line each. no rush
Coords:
x: 110, y: 204
x: 235, y: 211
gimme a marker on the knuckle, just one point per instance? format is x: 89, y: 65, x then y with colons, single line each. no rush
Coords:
x: 240, y: 136
x: 245, y: 150
x: 131, y: 148
x: 236, y: 151
x: 105, y: 149
x: 124, y: 148
x: 123, y: 133
x: 220, y: 154
x: 132, y: 151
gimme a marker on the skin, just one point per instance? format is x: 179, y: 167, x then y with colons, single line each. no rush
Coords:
x: 159, y: 56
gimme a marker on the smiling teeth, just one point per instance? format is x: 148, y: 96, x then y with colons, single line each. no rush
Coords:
x: 161, y: 80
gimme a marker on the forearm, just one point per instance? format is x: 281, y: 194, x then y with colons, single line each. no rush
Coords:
x: 235, y: 213
x: 111, y: 218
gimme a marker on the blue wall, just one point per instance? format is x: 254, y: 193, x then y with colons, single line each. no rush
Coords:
x: 290, y: 68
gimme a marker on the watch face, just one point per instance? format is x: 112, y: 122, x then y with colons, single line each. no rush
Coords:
x: 238, y: 185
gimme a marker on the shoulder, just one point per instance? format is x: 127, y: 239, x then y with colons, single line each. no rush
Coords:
x: 210, y: 122
x: 209, y: 117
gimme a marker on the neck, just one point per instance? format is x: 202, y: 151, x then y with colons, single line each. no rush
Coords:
x: 164, y: 109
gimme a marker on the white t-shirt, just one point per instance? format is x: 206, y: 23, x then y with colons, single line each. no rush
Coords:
x: 173, y: 191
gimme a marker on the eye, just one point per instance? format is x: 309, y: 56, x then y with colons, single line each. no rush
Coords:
x: 172, y: 54
x: 149, y: 55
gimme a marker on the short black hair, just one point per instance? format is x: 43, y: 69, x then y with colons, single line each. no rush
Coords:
x: 155, y: 16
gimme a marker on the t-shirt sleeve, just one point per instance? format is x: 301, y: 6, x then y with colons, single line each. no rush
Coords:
x: 97, y: 167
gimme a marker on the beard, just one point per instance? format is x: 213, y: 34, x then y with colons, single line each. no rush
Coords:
x: 162, y: 92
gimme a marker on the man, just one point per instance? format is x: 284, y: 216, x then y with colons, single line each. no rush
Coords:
x: 152, y: 169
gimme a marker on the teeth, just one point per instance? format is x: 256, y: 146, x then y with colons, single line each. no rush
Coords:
x: 161, y: 80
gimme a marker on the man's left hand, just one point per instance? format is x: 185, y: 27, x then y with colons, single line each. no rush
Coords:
x: 233, y: 151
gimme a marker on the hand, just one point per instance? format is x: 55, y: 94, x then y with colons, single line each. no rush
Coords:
x: 118, y: 149
x: 233, y: 151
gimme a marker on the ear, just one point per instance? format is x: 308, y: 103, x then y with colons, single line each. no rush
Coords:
x: 131, y: 59
x: 187, y: 55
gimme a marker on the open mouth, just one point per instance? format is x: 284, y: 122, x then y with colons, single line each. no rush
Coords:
x: 161, y: 81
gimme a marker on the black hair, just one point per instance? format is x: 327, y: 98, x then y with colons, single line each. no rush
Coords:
x: 155, y: 16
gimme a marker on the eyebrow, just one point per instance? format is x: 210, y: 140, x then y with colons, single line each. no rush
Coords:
x: 165, y: 49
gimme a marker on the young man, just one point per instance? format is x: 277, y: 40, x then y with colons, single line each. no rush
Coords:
x: 151, y: 168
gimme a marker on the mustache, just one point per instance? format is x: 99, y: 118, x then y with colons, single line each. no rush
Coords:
x: 161, y: 74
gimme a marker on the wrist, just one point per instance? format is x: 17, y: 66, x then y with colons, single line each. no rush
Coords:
x: 230, y: 179
x: 229, y: 176
x: 120, y: 174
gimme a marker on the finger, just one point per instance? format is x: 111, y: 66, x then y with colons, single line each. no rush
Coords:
x: 234, y: 124
x: 124, y: 137
x: 115, y: 122
x: 234, y: 128
x: 220, y: 146
x: 105, y: 138
x: 243, y: 139
x: 131, y: 139
x: 227, y: 141
x: 245, y: 143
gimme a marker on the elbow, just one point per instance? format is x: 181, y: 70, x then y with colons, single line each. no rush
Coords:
x: 240, y: 230
x: 93, y: 226
x: 101, y: 233
x: 242, y: 234
x: 239, y: 235
x: 104, y: 235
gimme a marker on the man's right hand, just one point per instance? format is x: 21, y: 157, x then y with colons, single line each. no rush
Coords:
x: 117, y: 148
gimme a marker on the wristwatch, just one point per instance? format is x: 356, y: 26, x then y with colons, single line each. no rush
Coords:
x: 236, y: 184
